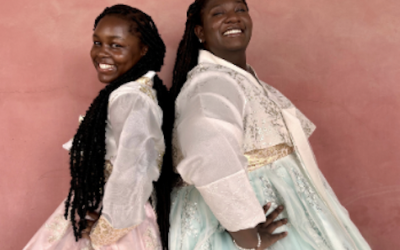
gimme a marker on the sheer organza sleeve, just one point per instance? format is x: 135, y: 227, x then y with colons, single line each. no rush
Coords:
x: 209, y: 132
x: 135, y: 121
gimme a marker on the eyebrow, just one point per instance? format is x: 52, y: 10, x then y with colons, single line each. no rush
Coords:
x: 112, y: 37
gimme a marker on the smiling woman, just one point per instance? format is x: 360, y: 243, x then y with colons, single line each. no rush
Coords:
x: 241, y: 145
x: 117, y: 153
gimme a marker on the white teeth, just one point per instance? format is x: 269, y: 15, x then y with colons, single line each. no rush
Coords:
x: 105, y: 66
x: 230, y: 32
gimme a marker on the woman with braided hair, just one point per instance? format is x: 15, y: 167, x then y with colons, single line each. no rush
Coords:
x: 117, y: 152
x: 239, y: 145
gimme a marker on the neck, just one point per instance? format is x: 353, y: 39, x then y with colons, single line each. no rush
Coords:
x: 237, y: 58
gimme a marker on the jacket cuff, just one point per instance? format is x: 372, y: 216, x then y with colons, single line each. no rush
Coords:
x: 233, y: 202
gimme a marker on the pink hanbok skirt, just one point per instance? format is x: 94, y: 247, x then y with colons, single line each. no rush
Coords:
x: 57, y: 234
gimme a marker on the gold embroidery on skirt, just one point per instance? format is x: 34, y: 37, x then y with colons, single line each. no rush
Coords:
x: 262, y: 157
x: 58, y: 227
x: 151, y: 239
x: 105, y: 234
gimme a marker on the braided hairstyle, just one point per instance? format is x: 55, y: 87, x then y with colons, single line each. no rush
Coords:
x: 188, y: 50
x: 87, y: 155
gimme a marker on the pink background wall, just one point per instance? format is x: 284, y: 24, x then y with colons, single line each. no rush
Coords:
x: 338, y: 61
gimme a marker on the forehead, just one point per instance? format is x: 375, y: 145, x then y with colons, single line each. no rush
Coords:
x: 112, y: 24
x: 214, y: 3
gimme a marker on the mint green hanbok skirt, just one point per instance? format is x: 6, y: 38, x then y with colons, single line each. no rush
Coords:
x: 311, y: 224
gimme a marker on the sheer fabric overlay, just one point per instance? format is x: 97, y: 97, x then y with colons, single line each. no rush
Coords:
x: 311, y: 225
x: 135, y: 145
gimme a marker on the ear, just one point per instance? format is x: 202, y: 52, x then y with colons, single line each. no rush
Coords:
x: 144, y: 50
x: 199, y: 31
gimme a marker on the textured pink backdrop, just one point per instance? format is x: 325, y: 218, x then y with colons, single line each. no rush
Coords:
x: 338, y: 61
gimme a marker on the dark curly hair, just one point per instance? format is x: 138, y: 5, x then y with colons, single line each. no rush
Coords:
x: 87, y: 155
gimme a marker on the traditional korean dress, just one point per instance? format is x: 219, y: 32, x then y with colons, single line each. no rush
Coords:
x: 239, y: 144
x: 135, y: 145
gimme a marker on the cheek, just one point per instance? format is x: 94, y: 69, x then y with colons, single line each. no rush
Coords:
x: 211, y: 32
x: 122, y: 59
x: 127, y: 63
x: 249, y: 23
x: 93, y: 53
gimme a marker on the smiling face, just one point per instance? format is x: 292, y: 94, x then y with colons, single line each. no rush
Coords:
x: 227, y: 26
x: 115, y: 49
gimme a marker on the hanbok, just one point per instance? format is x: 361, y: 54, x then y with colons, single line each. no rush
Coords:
x: 134, y: 146
x: 238, y: 144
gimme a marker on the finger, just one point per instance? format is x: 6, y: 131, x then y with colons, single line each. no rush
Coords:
x: 266, y: 207
x: 275, y: 237
x: 274, y: 214
x: 271, y: 227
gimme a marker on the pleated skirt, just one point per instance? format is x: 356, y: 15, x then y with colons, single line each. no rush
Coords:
x: 57, y: 234
x: 311, y: 226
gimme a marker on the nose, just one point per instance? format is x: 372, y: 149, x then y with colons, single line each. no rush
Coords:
x: 102, y: 51
x: 232, y: 17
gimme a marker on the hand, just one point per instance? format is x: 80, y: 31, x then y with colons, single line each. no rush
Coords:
x: 90, y: 222
x: 267, y: 228
x: 247, y: 238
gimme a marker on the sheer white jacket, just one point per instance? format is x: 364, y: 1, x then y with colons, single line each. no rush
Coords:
x: 135, y: 145
x: 223, y: 112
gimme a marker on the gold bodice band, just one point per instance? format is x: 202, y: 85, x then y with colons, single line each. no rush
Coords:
x: 262, y: 157
x: 259, y: 158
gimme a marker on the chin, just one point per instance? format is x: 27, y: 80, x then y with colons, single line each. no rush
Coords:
x: 105, y: 80
x: 236, y: 46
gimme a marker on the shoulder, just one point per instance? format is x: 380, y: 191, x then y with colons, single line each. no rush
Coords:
x: 210, y: 72
x: 207, y: 78
x: 132, y: 92
x: 134, y: 96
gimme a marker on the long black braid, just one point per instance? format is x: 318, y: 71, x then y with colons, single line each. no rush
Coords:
x: 87, y: 155
x: 188, y: 51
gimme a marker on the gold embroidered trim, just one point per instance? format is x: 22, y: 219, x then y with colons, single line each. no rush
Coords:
x: 103, y: 233
x: 145, y: 81
x: 147, y: 87
x: 262, y: 157
x: 146, y: 90
x: 160, y: 160
x: 108, y: 167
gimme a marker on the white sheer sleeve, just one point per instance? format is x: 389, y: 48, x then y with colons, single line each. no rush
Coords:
x: 135, y: 122
x: 209, y: 132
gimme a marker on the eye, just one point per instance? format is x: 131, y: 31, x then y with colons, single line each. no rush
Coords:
x: 115, y: 45
x: 96, y: 43
x: 218, y: 13
x: 241, y: 8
